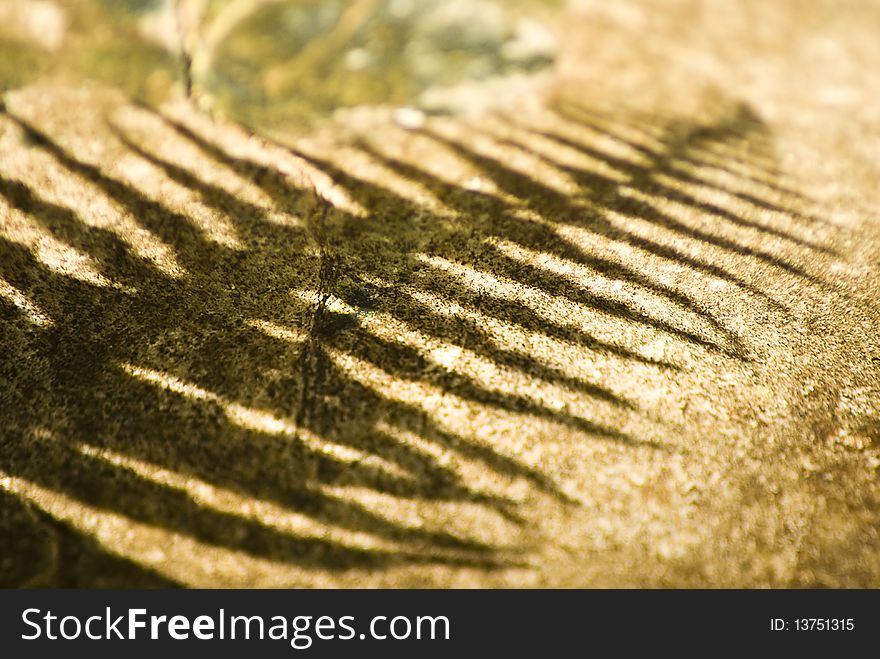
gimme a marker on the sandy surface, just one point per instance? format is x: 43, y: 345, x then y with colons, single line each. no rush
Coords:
x: 612, y: 323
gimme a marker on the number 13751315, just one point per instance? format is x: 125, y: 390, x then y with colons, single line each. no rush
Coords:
x: 812, y: 624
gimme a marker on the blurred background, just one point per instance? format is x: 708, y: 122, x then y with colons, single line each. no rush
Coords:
x: 271, y: 61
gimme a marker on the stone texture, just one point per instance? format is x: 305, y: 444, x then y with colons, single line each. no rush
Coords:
x: 339, y: 319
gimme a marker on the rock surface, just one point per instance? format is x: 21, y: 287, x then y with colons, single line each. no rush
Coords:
x: 575, y: 294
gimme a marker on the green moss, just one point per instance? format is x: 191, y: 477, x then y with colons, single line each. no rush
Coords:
x: 142, y: 71
x: 20, y: 63
x: 130, y: 6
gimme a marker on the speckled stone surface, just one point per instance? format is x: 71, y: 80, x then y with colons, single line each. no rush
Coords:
x: 380, y: 294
